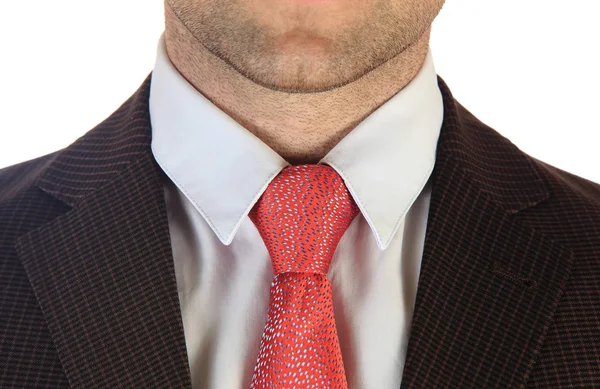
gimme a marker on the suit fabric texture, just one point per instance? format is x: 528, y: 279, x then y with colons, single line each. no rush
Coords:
x: 508, y: 294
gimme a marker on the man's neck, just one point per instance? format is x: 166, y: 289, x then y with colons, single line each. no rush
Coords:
x: 301, y: 127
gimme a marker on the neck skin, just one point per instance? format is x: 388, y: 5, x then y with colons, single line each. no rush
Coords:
x: 301, y: 127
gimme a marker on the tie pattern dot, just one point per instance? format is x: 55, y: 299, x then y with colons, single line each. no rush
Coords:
x: 301, y: 217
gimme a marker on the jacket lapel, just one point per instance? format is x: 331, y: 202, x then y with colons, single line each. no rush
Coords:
x: 103, y: 272
x: 489, y: 284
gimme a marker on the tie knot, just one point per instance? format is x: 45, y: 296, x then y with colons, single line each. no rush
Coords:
x: 302, y: 216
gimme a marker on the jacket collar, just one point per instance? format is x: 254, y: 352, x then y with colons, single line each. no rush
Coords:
x: 103, y: 271
x: 103, y: 152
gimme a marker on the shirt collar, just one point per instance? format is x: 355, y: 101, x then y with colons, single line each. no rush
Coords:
x: 223, y: 169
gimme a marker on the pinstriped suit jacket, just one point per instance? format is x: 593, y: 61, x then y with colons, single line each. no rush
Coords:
x: 508, y: 294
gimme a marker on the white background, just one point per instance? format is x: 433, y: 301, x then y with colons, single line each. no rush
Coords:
x: 529, y: 69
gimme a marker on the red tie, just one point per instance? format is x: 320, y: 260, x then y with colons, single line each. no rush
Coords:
x: 301, y: 217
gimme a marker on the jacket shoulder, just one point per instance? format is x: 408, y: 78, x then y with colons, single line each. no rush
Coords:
x: 580, y: 190
x: 17, y: 178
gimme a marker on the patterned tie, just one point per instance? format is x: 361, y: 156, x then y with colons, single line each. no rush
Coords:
x: 301, y: 217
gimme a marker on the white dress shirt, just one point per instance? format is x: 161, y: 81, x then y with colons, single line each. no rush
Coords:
x: 218, y: 170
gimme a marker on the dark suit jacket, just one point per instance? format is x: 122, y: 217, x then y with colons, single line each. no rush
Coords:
x: 508, y: 294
